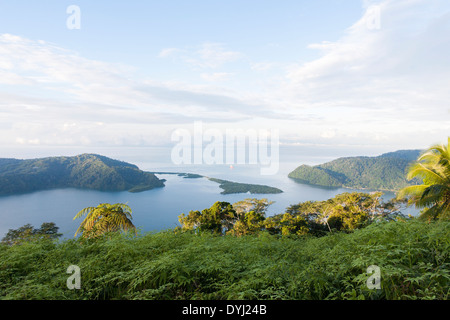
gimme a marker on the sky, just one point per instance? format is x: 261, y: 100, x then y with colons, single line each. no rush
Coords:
x: 357, y: 74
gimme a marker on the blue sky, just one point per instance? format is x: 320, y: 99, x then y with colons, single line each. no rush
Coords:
x: 348, y: 73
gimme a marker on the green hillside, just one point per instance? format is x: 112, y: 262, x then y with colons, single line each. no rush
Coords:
x: 385, y: 172
x: 412, y: 256
x: 86, y: 171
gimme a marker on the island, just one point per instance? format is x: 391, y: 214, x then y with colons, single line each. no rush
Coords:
x: 386, y: 172
x: 230, y: 187
x: 95, y: 172
x: 85, y: 171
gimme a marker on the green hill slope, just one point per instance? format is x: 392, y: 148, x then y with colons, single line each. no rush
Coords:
x: 385, y: 172
x: 86, y: 171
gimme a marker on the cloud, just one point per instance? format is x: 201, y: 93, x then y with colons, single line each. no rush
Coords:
x: 385, y: 83
x: 57, y: 97
x: 168, y: 52
x: 381, y: 84
x: 207, y: 55
x: 390, y: 62
x: 216, y: 76
x: 213, y: 55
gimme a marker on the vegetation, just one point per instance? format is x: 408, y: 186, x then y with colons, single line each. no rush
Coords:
x: 105, y: 218
x: 346, y: 212
x: 433, y: 196
x: 86, y: 171
x: 385, y: 172
x: 26, y: 233
x: 230, y: 187
x: 413, y: 257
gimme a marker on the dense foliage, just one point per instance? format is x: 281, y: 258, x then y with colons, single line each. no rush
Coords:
x: 433, y: 195
x: 87, y: 171
x: 385, y: 172
x: 345, y: 212
x: 26, y: 233
x: 413, y: 257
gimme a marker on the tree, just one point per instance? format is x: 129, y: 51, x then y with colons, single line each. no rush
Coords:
x: 344, y: 212
x: 256, y: 205
x: 248, y: 223
x: 219, y: 219
x: 105, y: 218
x: 433, y: 195
x: 250, y: 215
x: 352, y: 211
x: 48, y: 230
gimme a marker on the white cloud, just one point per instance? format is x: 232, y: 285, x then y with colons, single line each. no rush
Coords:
x: 216, y: 76
x: 61, y: 97
x: 214, y: 55
x: 168, y: 52
x: 207, y: 55
x: 372, y: 86
x: 384, y: 84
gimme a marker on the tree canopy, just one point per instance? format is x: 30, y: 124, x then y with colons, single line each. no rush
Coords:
x: 345, y: 212
x: 48, y: 230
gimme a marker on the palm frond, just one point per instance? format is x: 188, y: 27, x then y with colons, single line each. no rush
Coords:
x: 426, y: 172
x: 105, y: 218
x: 433, y: 166
x: 409, y: 191
x: 83, y: 212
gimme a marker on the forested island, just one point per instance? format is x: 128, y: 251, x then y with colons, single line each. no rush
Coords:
x: 384, y: 172
x: 85, y: 171
x: 230, y: 187
x: 95, y: 172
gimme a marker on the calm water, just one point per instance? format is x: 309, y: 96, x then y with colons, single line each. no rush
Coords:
x: 157, y: 209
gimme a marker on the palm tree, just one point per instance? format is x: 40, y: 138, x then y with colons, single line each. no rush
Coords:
x: 104, y: 218
x: 433, y: 196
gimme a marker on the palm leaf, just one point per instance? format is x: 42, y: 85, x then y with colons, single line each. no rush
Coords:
x: 105, y: 218
x: 429, y: 173
x: 434, y: 194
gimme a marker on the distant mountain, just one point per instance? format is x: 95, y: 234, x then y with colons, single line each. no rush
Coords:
x: 86, y: 171
x: 410, y: 155
x: 384, y: 172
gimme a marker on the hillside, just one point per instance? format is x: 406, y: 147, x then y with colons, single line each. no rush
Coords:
x: 384, y: 172
x: 86, y: 171
x: 412, y: 256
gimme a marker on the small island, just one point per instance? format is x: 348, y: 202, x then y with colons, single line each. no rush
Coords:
x: 230, y: 187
